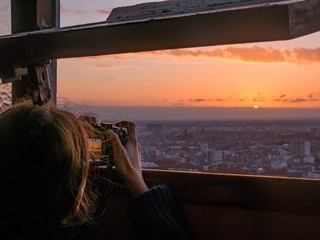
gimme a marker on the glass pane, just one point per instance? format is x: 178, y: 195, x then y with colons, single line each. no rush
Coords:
x: 242, y: 108
x: 5, y: 28
x: 233, y: 129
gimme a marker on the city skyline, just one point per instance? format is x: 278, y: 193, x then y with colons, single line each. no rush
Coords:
x: 276, y: 148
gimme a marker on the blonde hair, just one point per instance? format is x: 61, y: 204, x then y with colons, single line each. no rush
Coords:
x: 44, y: 162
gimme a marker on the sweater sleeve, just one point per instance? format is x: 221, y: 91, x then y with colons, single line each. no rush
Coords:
x: 155, y: 216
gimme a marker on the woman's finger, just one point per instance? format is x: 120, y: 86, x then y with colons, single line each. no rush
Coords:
x: 131, y: 129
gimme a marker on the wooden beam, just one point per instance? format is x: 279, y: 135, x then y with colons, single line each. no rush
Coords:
x: 263, y: 21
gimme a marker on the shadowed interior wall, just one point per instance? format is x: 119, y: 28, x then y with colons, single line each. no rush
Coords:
x: 225, y: 207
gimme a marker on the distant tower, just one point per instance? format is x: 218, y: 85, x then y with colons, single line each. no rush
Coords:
x: 300, y: 148
x: 315, y: 132
x: 204, y: 147
x: 215, y: 156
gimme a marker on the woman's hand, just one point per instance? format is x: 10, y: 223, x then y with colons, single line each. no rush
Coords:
x: 128, y: 159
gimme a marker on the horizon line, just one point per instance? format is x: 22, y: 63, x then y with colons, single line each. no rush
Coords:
x: 177, y: 106
x: 179, y: 113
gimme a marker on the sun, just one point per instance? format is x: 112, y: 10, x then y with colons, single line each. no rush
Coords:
x: 255, y: 106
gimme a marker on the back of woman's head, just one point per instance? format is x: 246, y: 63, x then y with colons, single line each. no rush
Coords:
x: 43, y: 164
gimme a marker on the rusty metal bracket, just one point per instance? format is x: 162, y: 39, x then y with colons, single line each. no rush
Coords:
x: 40, y: 82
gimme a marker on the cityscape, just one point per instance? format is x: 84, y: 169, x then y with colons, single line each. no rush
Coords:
x: 271, y: 148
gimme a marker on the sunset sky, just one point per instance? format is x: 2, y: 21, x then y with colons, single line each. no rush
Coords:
x: 269, y: 74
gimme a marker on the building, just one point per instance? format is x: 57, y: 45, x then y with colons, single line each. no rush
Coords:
x: 215, y: 156
x: 315, y: 132
x: 300, y: 148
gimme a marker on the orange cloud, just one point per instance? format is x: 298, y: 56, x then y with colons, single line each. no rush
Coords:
x: 200, y: 100
x: 104, y: 66
x: 251, y: 54
x: 259, y: 98
x: 299, y: 100
x: 312, y: 97
x: 101, y: 61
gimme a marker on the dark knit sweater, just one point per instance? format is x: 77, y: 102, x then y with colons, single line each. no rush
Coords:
x: 155, y: 216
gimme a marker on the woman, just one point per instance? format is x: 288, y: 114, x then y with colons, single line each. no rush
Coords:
x: 46, y: 178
